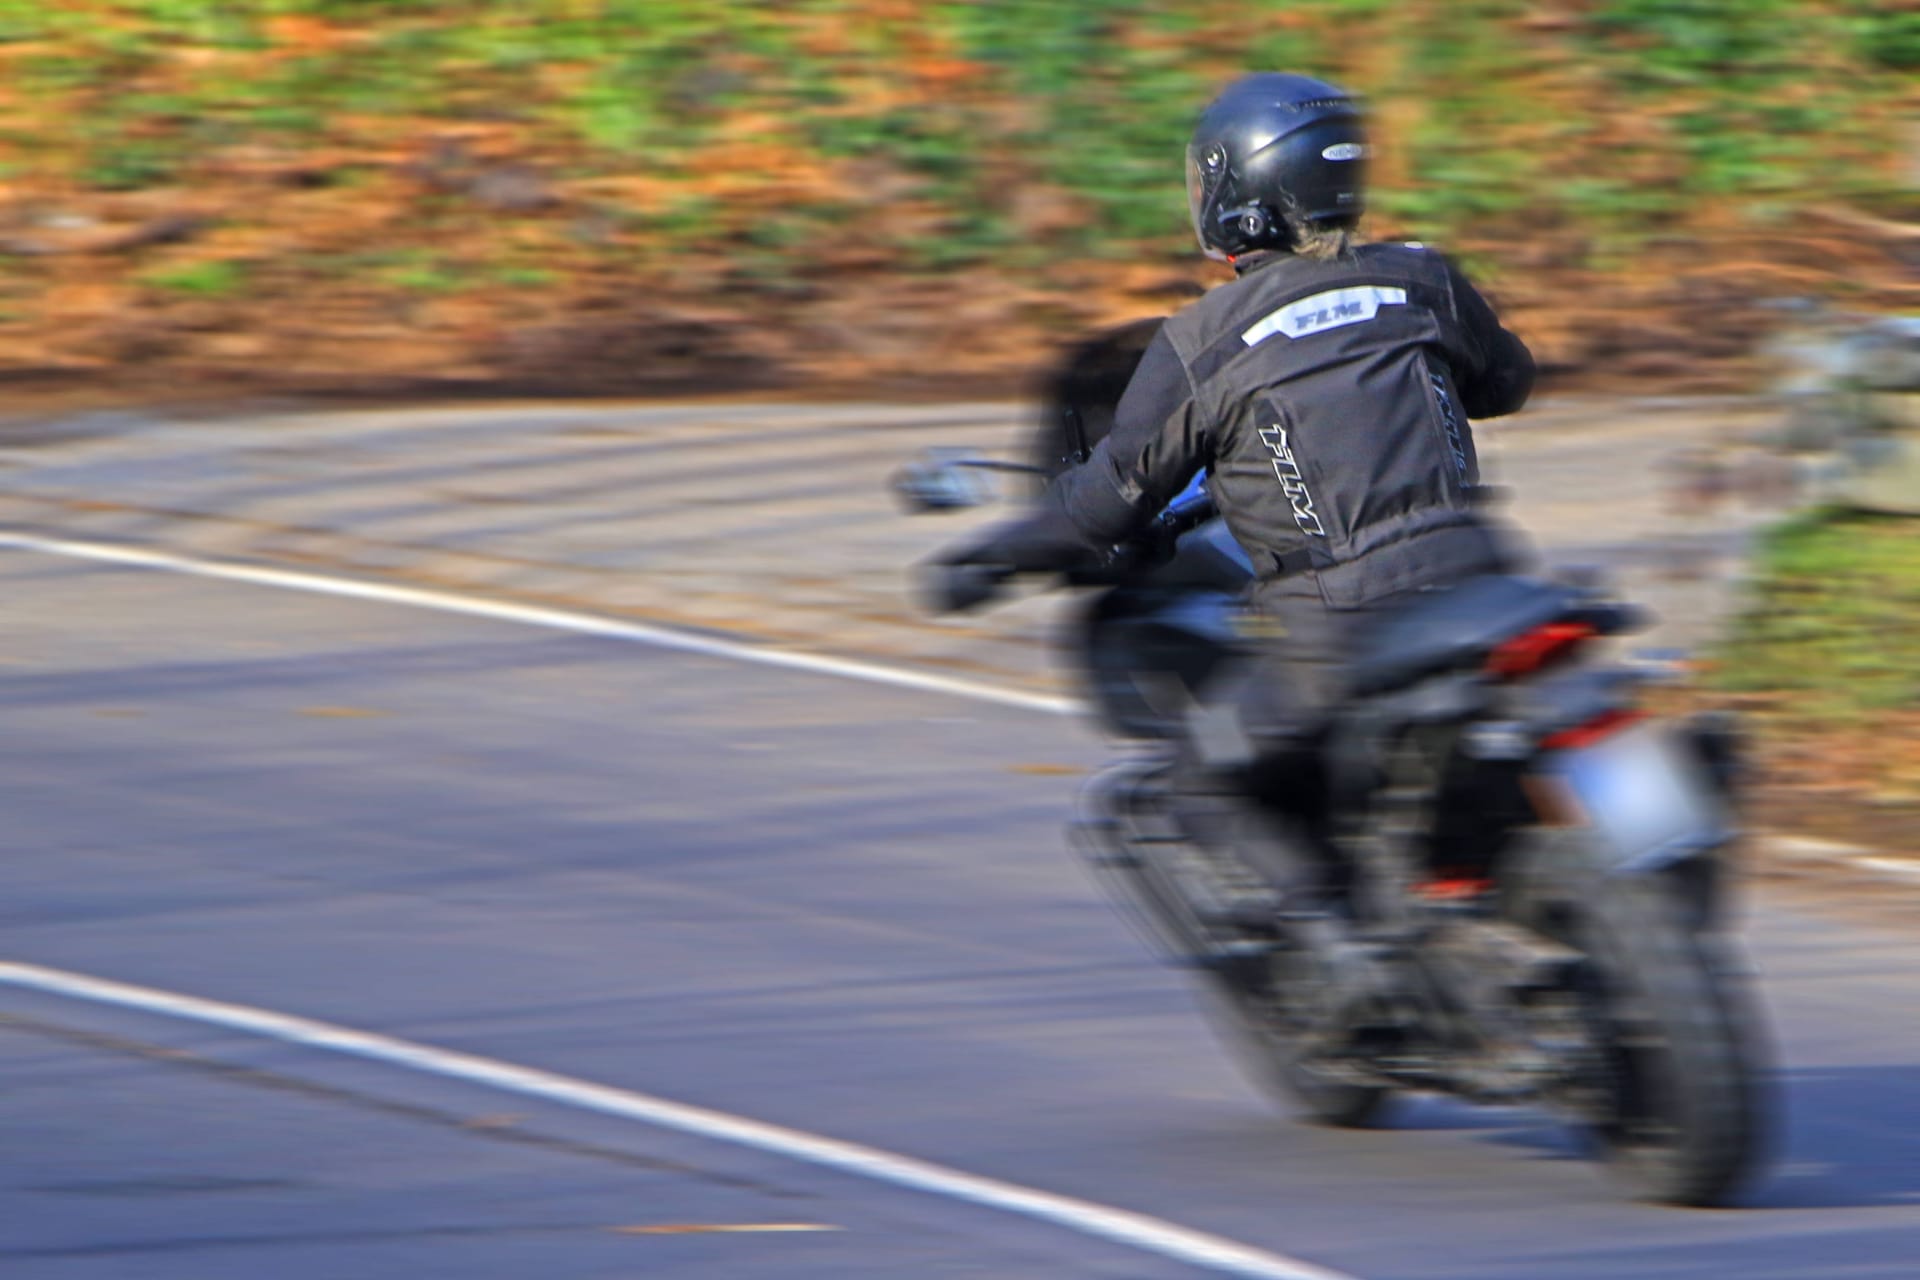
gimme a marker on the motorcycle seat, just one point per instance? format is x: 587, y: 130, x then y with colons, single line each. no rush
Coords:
x: 1450, y: 628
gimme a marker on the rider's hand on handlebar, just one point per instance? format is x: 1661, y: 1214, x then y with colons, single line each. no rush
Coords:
x: 957, y: 588
x: 1042, y: 543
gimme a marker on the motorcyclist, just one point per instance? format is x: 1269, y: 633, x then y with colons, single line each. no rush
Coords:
x: 1326, y: 390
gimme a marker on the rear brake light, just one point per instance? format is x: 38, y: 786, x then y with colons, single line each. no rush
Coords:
x: 1453, y: 888
x: 1527, y: 653
x: 1604, y: 725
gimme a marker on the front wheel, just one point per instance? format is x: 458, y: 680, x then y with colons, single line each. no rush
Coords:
x: 1271, y: 1012
x: 1672, y: 1087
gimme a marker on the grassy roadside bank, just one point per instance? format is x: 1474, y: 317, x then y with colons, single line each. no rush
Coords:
x: 622, y: 195
x: 1826, y: 663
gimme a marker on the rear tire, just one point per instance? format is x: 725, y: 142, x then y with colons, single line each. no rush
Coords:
x: 1682, y: 1043
x: 1676, y: 1101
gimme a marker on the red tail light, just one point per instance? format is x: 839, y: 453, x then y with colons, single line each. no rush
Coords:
x: 1585, y: 735
x: 1453, y: 888
x: 1525, y: 654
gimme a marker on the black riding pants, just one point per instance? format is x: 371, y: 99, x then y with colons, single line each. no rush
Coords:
x: 1249, y: 777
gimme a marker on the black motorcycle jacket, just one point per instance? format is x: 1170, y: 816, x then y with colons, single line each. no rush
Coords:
x: 1329, y: 400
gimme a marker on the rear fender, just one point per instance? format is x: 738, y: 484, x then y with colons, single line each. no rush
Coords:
x: 1571, y: 869
x: 1698, y: 883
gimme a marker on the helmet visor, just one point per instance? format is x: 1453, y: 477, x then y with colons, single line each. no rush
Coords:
x: 1206, y: 174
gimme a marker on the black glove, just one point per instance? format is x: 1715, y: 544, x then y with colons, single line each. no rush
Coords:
x: 1043, y: 542
x: 957, y: 588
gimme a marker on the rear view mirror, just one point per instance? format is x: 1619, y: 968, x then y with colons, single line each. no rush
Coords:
x: 944, y: 480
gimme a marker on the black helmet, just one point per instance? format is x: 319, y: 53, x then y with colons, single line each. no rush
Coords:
x: 1272, y: 155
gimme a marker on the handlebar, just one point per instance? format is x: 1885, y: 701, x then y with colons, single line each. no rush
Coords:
x: 956, y: 588
x: 1185, y: 513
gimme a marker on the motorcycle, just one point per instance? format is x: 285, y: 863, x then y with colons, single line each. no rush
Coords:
x: 1535, y: 869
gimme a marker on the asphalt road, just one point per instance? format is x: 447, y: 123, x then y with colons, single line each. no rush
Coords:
x: 774, y: 520
x: 802, y: 899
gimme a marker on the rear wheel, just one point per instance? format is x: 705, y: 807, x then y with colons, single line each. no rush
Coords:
x: 1671, y: 1089
x: 1685, y: 1109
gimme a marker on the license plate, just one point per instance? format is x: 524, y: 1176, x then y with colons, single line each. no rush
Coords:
x: 1644, y: 795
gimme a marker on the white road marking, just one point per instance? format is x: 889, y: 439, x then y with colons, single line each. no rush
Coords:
x: 1119, y: 1226
x: 1908, y: 868
x: 586, y: 624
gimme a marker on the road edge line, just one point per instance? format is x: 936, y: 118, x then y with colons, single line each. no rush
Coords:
x: 553, y: 619
x: 1118, y: 1226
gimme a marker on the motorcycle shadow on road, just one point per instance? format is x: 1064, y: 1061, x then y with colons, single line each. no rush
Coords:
x: 1538, y: 1133
x: 1848, y: 1140
x: 1845, y: 1137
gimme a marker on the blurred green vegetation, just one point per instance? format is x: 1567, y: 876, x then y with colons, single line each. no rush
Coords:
x: 1835, y: 621
x: 1615, y: 115
x: 548, y: 146
x: 202, y: 279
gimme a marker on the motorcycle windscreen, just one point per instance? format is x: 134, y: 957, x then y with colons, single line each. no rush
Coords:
x: 1646, y: 797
